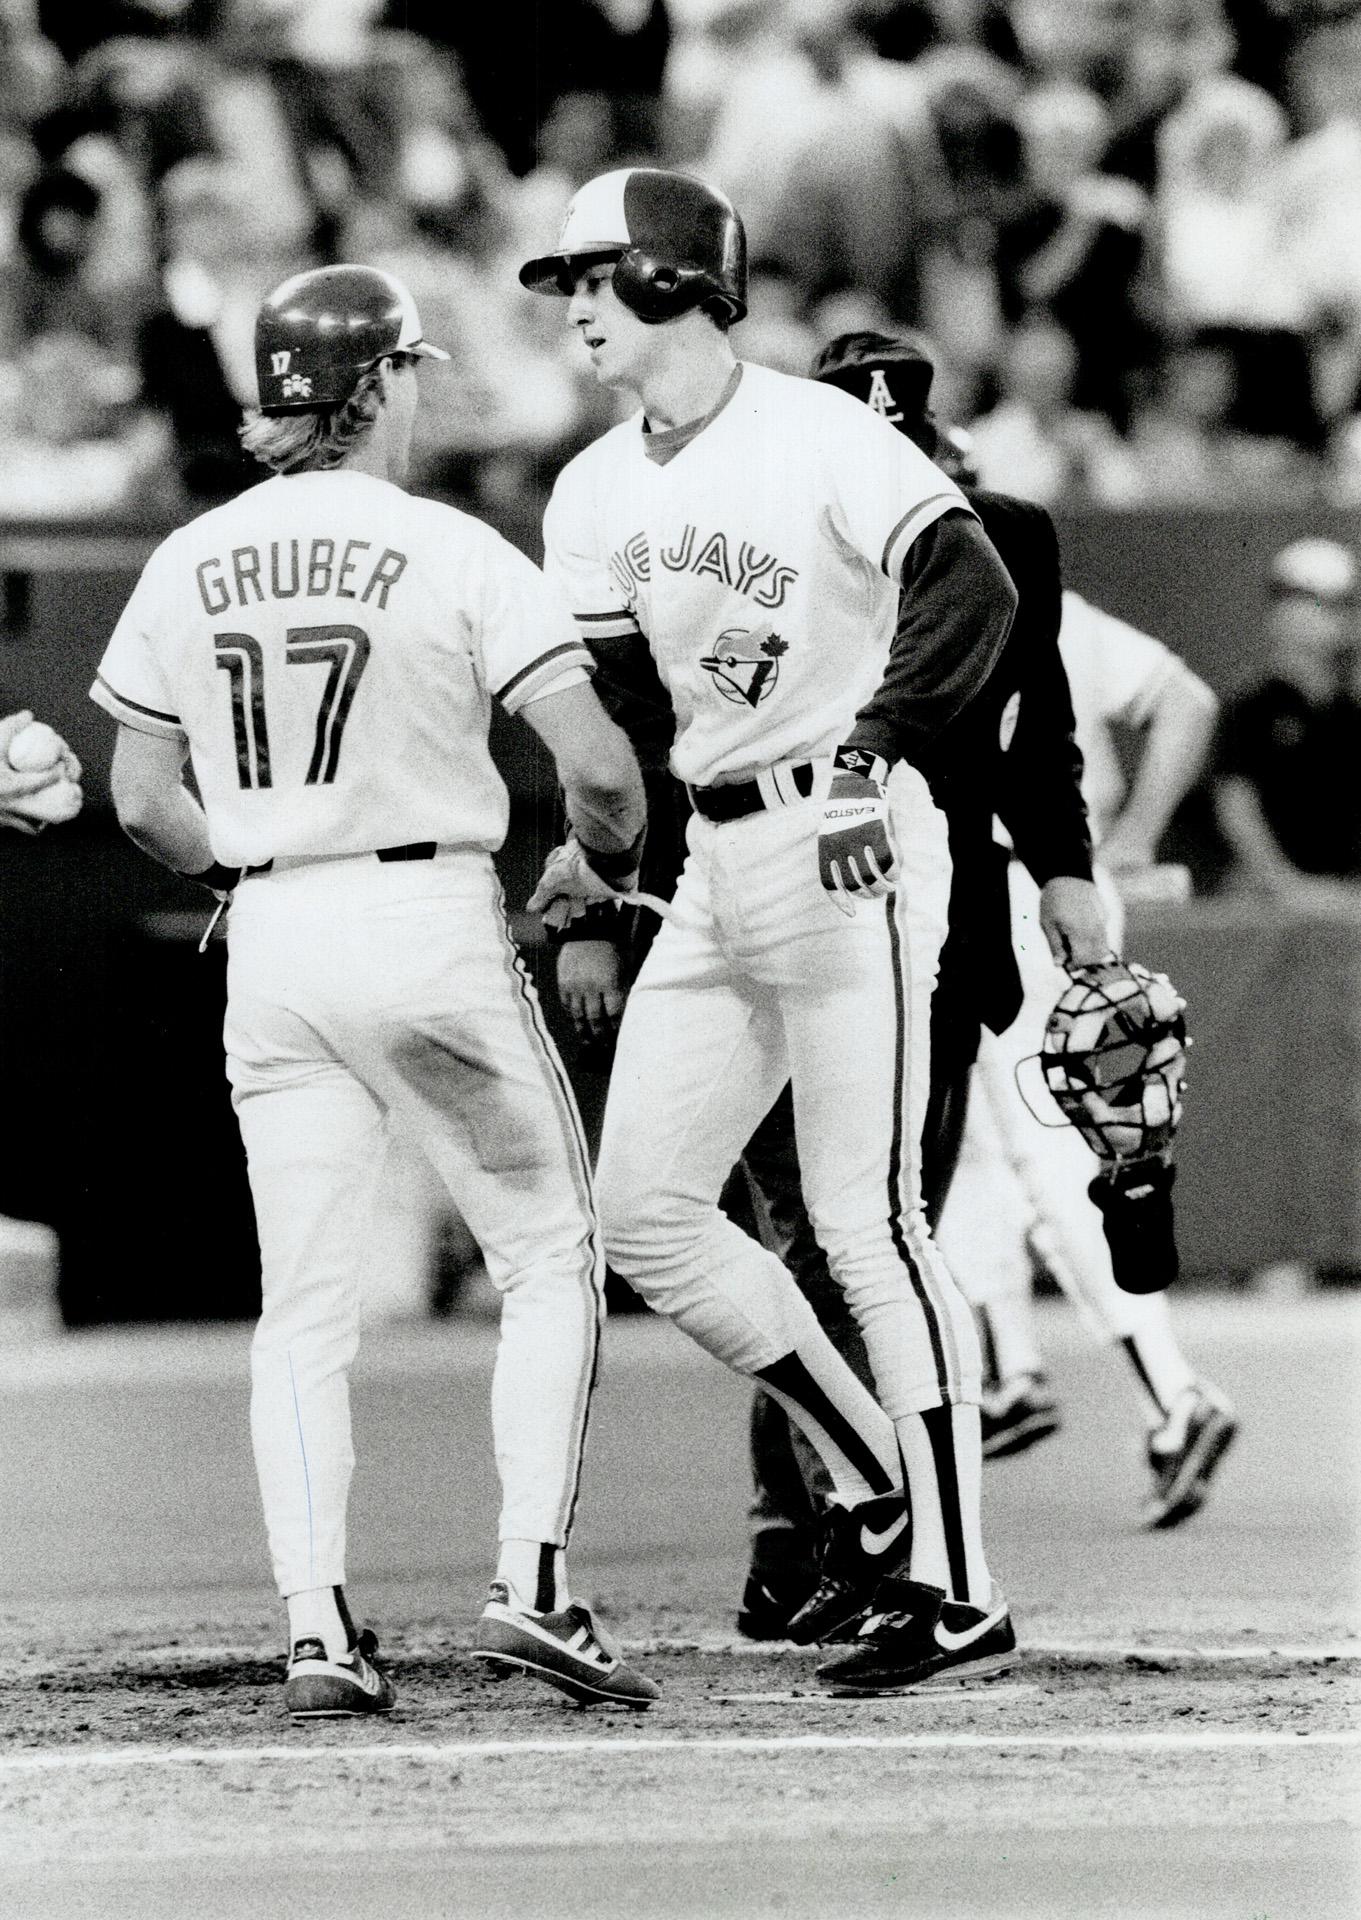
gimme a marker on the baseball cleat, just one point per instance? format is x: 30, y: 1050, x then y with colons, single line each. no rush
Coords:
x: 918, y: 1638
x: 1183, y: 1454
x: 858, y: 1546
x: 1017, y: 1413
x: 780, y: 1579
x: 316, y: 1688
x: 568, y: 1649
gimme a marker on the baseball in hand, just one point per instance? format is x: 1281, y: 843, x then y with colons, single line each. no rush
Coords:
x: 35, y: 747
x: 52, y: 805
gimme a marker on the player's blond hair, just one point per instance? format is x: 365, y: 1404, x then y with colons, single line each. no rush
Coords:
x: 311, y: 442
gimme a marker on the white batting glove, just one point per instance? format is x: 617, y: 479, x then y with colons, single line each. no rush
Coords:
x: 856, y: 859
x: 571, y: 882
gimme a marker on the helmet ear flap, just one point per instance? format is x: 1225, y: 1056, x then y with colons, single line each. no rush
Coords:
x: 657, y: 290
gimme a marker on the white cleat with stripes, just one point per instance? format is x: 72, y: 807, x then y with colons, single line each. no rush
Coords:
x: 568, y: 1649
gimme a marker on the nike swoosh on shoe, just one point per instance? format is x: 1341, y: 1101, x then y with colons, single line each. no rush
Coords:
x: 876, y: 1543
x: 953, y: 1642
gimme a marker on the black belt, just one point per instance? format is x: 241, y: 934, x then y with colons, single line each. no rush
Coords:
x: 414, y: 850
x: 744, y: 796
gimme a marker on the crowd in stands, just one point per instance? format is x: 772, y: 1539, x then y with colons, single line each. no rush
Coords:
x: 1129, y: 228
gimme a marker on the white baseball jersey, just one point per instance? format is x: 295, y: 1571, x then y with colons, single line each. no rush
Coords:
x: 329, y: 646
x: 1115, y: 673
x: 761, y: 563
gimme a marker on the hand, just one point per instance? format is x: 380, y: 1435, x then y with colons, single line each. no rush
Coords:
x: 856, y: 859
x: 589, y: 985
x: 570, y: 883
x: 16, y: 787
x: 1073, y: 916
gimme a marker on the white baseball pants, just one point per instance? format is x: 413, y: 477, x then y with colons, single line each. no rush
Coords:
x: 756, y: 979
x: 355, y: 989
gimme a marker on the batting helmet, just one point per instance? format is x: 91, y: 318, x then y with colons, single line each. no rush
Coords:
x: 675, y: 243
x: 321, y: 331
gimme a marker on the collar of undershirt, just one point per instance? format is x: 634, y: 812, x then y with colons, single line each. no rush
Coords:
x: 661, y: 444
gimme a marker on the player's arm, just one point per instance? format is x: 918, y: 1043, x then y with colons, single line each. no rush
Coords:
x: 956, y: 609
x: 598, y: 769
x: 156, y: 810
x: 954, y: 614
x: 1179, y: 728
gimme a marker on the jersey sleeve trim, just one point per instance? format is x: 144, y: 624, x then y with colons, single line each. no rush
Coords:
x: 608, y: 626
x: 915, y: 521
x: 132, y: 713
x: 533, y: 678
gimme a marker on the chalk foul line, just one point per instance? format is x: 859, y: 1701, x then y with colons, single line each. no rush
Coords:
x: 442, y: 1752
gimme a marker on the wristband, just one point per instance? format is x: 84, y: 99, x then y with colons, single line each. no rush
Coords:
x: 615, y: 866
x: 870, y: 766
x: 217, y: 878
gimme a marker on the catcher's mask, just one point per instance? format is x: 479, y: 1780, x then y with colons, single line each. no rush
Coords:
x: 1114, y: 1058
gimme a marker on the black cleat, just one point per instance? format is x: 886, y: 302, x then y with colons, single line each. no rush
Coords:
x: 858, y: 1546
x: 918, y: 1638
x: 1183, y: 1454
x: 1017, y: 1413
x: 780, y: 1578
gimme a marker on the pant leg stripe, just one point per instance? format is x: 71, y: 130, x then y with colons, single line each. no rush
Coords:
x: 592, y: 1265
x: 790, y: 1380
x: 929, y: 1308
x: 940, y: 1431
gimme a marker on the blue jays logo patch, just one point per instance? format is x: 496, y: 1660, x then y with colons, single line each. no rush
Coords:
x: 745, y: 666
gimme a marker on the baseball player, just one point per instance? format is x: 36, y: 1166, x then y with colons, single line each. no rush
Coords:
x: 817, y: 600
x: 1019, y: 1180
x: 325, y: 650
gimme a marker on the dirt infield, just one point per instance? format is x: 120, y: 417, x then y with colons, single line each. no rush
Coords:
x: 1180, y: 1736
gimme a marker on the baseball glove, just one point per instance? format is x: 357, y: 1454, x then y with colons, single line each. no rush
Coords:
x: 1114, y: 1058
x: 572, y: 880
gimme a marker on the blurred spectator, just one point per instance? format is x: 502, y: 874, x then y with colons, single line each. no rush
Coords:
x: 1287, y: 798
x: 522, y: 56
x: 72, y: 444
x: 1083, y: 241
x: 775, y: 332
x: 197, y: 347
x: 1187, y: 444
x: 58, y: 280
x: 1224, y: 258
x: 1035, y: 442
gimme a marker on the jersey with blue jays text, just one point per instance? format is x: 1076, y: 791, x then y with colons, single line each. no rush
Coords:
x: 329, y: 645
x: 761, y: 563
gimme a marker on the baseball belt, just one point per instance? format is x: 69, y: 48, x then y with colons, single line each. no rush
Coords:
x: 778, y: 786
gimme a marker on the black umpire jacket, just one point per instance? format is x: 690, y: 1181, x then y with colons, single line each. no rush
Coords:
x: 1010, y: 752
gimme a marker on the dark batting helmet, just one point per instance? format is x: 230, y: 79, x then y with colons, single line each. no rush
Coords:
x: 675, y: 242
x: 318, y: 334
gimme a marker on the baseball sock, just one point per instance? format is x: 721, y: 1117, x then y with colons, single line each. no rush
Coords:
x: 536, y: 1573
x: 942, y: 1457
x: 1160, y: 1366
x: 1008, y: 1342
x: 320, y: 1613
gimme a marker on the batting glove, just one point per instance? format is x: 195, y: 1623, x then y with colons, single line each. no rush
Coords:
x: 575, y: 877
x: 856, y: 860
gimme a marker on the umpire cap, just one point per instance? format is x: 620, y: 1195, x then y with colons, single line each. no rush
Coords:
x: 676, y: 243
x: 319, y: 333
x: 890, y: 373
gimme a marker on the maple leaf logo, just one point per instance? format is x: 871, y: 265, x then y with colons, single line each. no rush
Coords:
x: 774, y: 646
